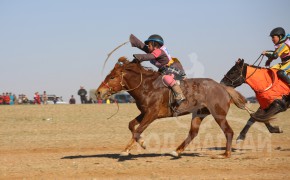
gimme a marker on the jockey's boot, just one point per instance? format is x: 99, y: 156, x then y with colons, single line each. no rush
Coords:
x: 179, y: 97
x: 283, y: 76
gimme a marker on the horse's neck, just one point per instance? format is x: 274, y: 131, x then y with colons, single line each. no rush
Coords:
x: 258, y: 79
x: 143, y: 82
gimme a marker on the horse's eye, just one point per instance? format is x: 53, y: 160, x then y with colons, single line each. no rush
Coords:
x: 112, y: 77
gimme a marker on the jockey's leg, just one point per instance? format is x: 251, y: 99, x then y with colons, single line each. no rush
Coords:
x: 283, y: 75
x: 171, y: 82
x: 179, y: 98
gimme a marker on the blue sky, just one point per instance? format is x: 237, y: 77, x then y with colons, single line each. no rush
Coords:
x: 58, y: 45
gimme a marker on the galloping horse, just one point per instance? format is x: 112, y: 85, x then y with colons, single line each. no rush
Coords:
x: 271, y: 92
x: 204, y: 96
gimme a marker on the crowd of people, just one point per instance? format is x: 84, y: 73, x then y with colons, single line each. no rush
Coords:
x: 8, y: 99
x: 44, y: 98
x: 11, y: 99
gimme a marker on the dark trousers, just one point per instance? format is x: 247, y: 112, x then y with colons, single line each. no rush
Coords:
x: 83, y: 99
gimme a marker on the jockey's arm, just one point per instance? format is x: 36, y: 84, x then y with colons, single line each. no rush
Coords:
x: 271, y: 54
x: 143, y: 57
x: 135, y: 42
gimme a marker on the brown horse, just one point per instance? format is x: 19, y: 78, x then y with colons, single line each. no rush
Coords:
x: 272, y: 93
x: 204, y: 96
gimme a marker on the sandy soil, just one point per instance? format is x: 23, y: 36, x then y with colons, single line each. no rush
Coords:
x: 79, y: 142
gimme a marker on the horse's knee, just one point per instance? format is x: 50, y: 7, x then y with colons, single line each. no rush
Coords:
x: 132, y: 125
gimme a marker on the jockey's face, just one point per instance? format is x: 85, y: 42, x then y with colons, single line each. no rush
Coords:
x: 275, y: 39
x: 150, y: 47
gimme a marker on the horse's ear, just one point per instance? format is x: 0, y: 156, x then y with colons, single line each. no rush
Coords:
x: 123, y: 60
x: 240, y: 61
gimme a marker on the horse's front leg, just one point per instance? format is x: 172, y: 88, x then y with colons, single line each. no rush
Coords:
x: 243, y: 133
x: 131, y: 127
x: 148, y: 118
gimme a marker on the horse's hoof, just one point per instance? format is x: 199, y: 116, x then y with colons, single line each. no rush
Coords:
x: 142, y: 143
x: 239, y: 141
x: 276, y: 129
x: 218, y: 157
x: 280, y: 130
x: 240, y: 138
x: 222, y: 156
x: 175, y: 154
x: 124, y: 153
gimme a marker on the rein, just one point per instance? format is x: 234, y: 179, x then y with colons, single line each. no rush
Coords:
x: 111, y: 89
x: 123, y: 85
x: 241, y: 71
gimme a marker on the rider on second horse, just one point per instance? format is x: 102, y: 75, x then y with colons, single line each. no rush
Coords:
x: 159, y: 56
x: 282, y: 50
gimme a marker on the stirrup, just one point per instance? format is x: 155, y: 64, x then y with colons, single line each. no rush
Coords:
x: 179, y: 101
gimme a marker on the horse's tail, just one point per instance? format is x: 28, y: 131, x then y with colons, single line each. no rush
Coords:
x: 237, y: 98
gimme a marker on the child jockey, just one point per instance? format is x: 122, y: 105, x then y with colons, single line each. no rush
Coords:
x: 159, y: 56
x: 282, y: 50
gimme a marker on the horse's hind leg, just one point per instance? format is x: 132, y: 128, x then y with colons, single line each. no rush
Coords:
x: 223, y: 123
x: 251, y: 121
x: 195, y: 123
x: 273, y: 129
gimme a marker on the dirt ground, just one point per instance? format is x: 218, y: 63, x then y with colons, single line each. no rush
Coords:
x: 79, y: 142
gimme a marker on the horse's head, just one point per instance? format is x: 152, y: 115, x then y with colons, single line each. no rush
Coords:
x: 236, y: 75
x: 114, y: 81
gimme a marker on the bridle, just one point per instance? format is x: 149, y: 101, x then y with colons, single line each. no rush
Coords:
x: 239, y: 77
x: 111, y: 89
x: 242, y: 69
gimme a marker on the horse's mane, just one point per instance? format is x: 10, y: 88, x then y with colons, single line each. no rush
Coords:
x: 131, y: 66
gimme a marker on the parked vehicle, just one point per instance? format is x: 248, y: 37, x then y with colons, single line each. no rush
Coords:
x: 122, y: 98
x: 252, y: 99
x: 53, y: 99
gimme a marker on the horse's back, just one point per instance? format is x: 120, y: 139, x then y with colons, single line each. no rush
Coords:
x: 206, y: 89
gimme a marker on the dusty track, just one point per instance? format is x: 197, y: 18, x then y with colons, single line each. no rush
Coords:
x: 77, y: 141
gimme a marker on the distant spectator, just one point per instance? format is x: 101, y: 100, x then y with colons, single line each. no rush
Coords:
x: 6, y: 99
x: 55, y: 99
x: 15, y: 99
x: 1, y: 100
x: 25, y: 100
x: 72, y: 100
x: 90, y: 101
x: 36, y: 98
x: 82, y: 93
x: 44, y: 97
x: 11, y: 99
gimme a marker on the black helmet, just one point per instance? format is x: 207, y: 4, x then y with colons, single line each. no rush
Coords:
x: 155, y: 38
x: 279, y: 31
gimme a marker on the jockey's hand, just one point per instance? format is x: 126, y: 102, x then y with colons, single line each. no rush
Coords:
x: 264, y: 53
x: 268, y: 62
x: 135, y: 60
x: 132, y: 40
x: 137, y: 57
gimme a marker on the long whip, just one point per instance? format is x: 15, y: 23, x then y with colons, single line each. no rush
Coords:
x: 112, y: 53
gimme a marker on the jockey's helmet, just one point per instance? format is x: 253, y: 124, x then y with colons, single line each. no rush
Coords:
x: 155, y: 38
x: 279, y: 31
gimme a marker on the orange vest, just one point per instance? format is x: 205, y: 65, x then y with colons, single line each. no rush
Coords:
x: 266, y: 85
